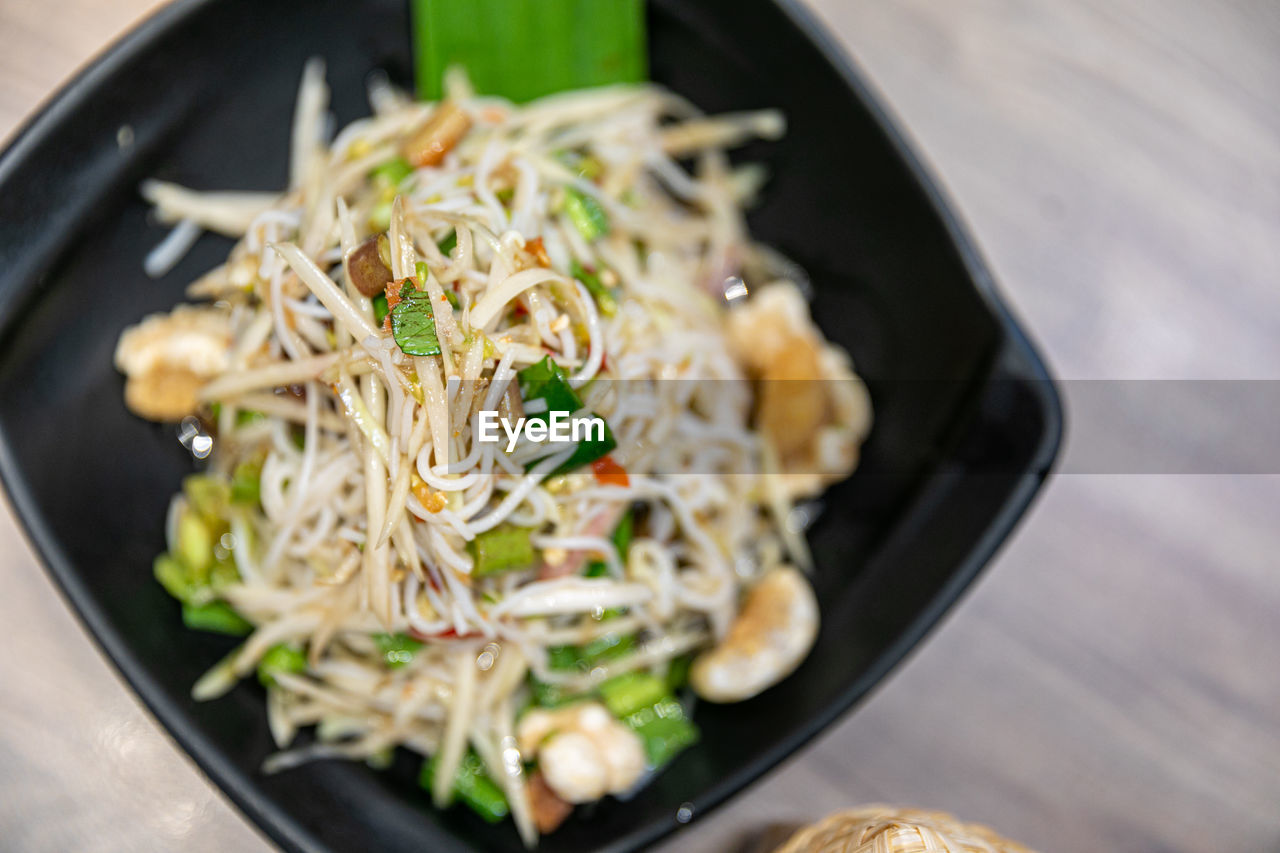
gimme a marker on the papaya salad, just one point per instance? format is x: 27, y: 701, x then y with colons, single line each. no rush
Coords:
x: 534, y: 619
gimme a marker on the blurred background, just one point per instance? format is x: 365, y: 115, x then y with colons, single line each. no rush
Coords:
x: 1112, y: 682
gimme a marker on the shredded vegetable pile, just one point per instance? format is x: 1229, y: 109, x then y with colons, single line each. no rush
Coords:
x: 535, y: 621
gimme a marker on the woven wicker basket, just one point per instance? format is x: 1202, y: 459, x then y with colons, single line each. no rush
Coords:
x: 888, y: 829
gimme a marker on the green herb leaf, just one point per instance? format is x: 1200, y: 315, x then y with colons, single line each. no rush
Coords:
x: 523, y: 50
x: 547, y: 381
x: 413, y: 324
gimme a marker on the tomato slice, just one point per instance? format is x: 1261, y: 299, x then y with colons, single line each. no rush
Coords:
x: 610, y: 473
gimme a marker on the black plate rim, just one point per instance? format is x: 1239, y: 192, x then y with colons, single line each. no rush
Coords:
x: 264, y: 814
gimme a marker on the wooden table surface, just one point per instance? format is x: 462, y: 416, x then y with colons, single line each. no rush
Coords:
x: 1113, y: 681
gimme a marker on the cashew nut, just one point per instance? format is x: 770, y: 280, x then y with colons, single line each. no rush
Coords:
x: 811, y: 405
x: 167, y: 358
x: 771, y: 635
x: 583, y: 752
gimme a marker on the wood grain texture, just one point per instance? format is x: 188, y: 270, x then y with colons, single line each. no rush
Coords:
x: 1113, y: 681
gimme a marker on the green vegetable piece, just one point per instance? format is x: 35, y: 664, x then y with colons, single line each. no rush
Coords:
x: 173, y: 576
x: 547, y: 381
x: 195, y: 545
x: 585, y: 657
x: 397, y: 649
x: 207, y: 495
x: 457, y: 306
x: 217, y: 617
x: 380, y: 216
x: 281, y: 657
x: 391, y: 173
x: 223, y: 574
x: 584, y: 165
x: 524, y: 50
x: 380, y: 309
x: 630, y: 692
x: 413, y: 324
x: 501, y: 549
x: 472, y: 785
x: 678, y: 672
x: 624, y: 533
x: 586, y: 214
x: 246, y: 483
x: 448, y: 244
x: 381, y: 759
x: 664, y: 729
x: 604, y: 297
x: 547, y: 695
x: 645, y: 704
x: 244, y: 417
x: 588, y: 451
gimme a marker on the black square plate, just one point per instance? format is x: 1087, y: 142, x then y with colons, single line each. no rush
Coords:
x: 967, y: 420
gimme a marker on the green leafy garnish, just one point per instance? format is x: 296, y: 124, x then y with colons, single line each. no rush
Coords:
x: 523, y: 50
x: 413, y: 324
x: 547, y: 381
x: 448, y: 244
